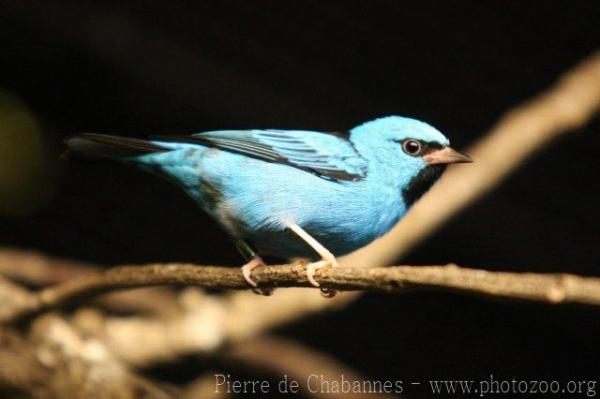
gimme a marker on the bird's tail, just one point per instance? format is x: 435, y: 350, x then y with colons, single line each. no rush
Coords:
x: 93, y: 146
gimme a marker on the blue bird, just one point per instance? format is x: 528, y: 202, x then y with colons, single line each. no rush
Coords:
x: 294, y: 193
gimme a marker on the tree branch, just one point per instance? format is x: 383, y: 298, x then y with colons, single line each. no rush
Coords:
x: 35, y: 269
x: 550, y: 288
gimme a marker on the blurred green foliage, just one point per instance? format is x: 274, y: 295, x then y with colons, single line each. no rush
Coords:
x: 27, y: 171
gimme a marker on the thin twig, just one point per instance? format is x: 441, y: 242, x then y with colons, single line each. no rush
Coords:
x: 551, y: 288
x: 35, y: 269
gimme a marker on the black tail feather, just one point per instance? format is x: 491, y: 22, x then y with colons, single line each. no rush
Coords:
x: 104, y: 146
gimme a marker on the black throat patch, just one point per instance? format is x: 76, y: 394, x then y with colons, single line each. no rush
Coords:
x: 421, y: 183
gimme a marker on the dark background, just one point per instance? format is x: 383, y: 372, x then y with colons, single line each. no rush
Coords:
x: 163, y: 67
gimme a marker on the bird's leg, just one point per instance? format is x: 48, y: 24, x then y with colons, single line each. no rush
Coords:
x: 328, y: 259
x: 254, y: 261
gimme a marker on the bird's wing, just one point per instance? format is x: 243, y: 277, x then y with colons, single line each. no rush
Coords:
x: 327, y: 155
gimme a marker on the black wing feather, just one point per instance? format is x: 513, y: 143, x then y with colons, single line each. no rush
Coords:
x: 338, y: 161
x: 105, y: 146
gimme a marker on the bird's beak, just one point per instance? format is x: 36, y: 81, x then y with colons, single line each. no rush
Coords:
x: 445, y: 156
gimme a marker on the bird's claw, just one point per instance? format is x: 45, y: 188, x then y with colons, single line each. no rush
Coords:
x: 263, y: 291
x: 247, y: 270
x: 247, y: 273
x: 311, y: 269
x: 328, y: 292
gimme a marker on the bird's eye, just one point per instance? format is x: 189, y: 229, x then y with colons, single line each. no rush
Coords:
x: 411, y: 147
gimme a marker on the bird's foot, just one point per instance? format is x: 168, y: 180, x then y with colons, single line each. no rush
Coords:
x: 328, y: 260
x: 247, y: 272
x: 311, y: 269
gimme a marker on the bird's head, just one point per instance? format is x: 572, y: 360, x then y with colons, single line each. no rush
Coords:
x: 412, y: 153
